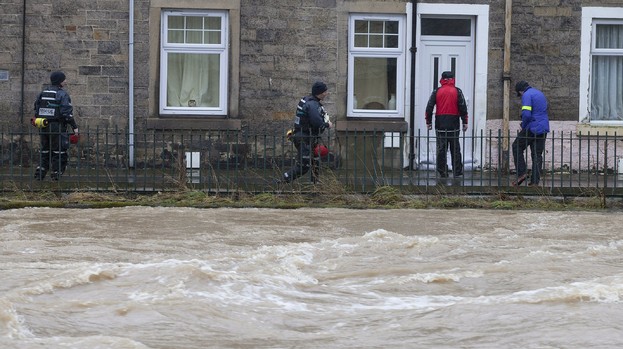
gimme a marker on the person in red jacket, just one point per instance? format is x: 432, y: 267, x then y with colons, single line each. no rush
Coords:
x: 450, y: 113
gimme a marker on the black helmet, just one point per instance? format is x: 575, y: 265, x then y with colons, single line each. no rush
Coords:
x: 521, y: 86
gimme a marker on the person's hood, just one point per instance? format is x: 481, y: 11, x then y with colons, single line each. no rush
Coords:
x: 444, y: 82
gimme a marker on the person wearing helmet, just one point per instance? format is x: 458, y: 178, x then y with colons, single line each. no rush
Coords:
x: 534, y: 129
x: 53, y: 113
x: 309, y: 123
x: 451, y: 111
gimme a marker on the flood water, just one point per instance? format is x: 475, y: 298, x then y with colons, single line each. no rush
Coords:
x: 177, y: 278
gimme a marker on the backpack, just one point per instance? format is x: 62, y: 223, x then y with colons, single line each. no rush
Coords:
x: 48, y: 106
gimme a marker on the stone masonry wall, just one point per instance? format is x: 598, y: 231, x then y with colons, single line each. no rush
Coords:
x: 285, y: 46
x: 88, y: 40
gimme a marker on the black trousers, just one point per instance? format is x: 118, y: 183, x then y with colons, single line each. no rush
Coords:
x: 526, y: 139
x: 54, y: 145
x: 305, y: 159
x: 449, y: 139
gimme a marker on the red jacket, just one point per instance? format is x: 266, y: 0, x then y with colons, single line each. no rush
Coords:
x: 451, y: 106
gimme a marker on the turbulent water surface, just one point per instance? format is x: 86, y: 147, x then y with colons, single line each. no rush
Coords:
x: 309, y: 278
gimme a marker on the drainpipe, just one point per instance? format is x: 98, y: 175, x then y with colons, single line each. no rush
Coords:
x: 413, y: 50
x: 23, y: 68
x: 130, y: 86
x: 506, y: 76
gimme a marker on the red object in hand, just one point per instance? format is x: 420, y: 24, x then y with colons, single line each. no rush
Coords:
x: 73, y: 139
x: 32, y: 121
x: 321, y: 151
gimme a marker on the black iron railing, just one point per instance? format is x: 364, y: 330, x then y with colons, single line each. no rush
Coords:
x: 359, y: 161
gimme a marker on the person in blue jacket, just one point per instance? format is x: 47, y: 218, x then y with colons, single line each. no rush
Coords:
x: 309, y: 123
x: 534, y: 129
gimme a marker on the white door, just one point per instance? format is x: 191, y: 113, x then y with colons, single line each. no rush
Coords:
x: 437, y: 55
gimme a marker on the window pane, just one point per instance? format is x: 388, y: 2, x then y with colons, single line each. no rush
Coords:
x: 376, y: 27
x: 361, y: 41
x: 193, y: 80
x: 391, y: 41
x: 609, y: 36
x: 194, y: 30
x: 194, y: 23
x: 391, y: 27
x: 607, y: 88
x: 213, y: 23
x: 375, y: 83
x: 176, y: 22
x: 194, y: 37
x: 376, y: 34
x: 361, y: 26
x: 213, y: 37
x: 376, y: 41
x: 446, y: 26
x: 176, y: 36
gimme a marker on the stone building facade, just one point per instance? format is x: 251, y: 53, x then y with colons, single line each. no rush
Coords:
x: 276, y: 49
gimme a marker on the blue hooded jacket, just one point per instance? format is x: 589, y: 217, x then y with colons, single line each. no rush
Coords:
x: 534, y: 112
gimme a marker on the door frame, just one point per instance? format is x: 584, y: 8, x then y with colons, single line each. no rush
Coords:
x: 481, y: 51
x: 445, y: 48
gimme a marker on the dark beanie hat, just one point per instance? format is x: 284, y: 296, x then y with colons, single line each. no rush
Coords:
x: 521, y: 86
x: 318, y: 88
x: 57, y: 77
x: 447, y: 75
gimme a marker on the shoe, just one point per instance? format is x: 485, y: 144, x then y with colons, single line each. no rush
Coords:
x: 55, y: 176
x: 40, y: 174
x: 520, y: 180
x: 533, y: 184
x: 458, y: 175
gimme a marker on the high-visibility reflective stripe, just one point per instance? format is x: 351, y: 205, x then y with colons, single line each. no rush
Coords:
x: 526, y: 107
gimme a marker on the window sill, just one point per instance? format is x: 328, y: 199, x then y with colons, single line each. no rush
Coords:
x: 584, y: 130
x: 371, y: 125
x: 194, y: 124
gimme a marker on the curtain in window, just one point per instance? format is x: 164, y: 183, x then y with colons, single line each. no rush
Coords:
x: 193, y: 80
x: 371, y: 82
x: 607, y: 75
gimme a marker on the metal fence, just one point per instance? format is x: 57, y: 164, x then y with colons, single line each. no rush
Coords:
x: 359, y: 161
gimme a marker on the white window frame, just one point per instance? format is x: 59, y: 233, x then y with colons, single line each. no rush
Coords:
x: 399, y: 53
x: 221, y: 49
x: 592, y: 16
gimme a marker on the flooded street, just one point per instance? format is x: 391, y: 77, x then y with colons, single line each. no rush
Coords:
x: 141, y: 277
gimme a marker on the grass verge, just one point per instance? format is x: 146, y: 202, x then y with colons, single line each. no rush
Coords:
x: 384, y: 197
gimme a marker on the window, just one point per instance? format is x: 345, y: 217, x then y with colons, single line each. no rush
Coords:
x: 607, y: 71
x: 376, y: 66
x: 194, y: 61
x: 602, y: 66
x: 446, y: 26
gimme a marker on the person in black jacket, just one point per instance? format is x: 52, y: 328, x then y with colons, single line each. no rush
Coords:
x: 450, y: 113
x: 310, y: 121
x: 53, y: 113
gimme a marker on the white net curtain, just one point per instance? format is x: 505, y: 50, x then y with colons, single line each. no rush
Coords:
x: 607, y: 75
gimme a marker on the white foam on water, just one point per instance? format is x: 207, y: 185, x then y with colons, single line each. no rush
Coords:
x: 11, y: 323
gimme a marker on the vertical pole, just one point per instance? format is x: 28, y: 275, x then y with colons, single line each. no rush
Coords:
x: 506, y: 76
x: 131, y: 85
